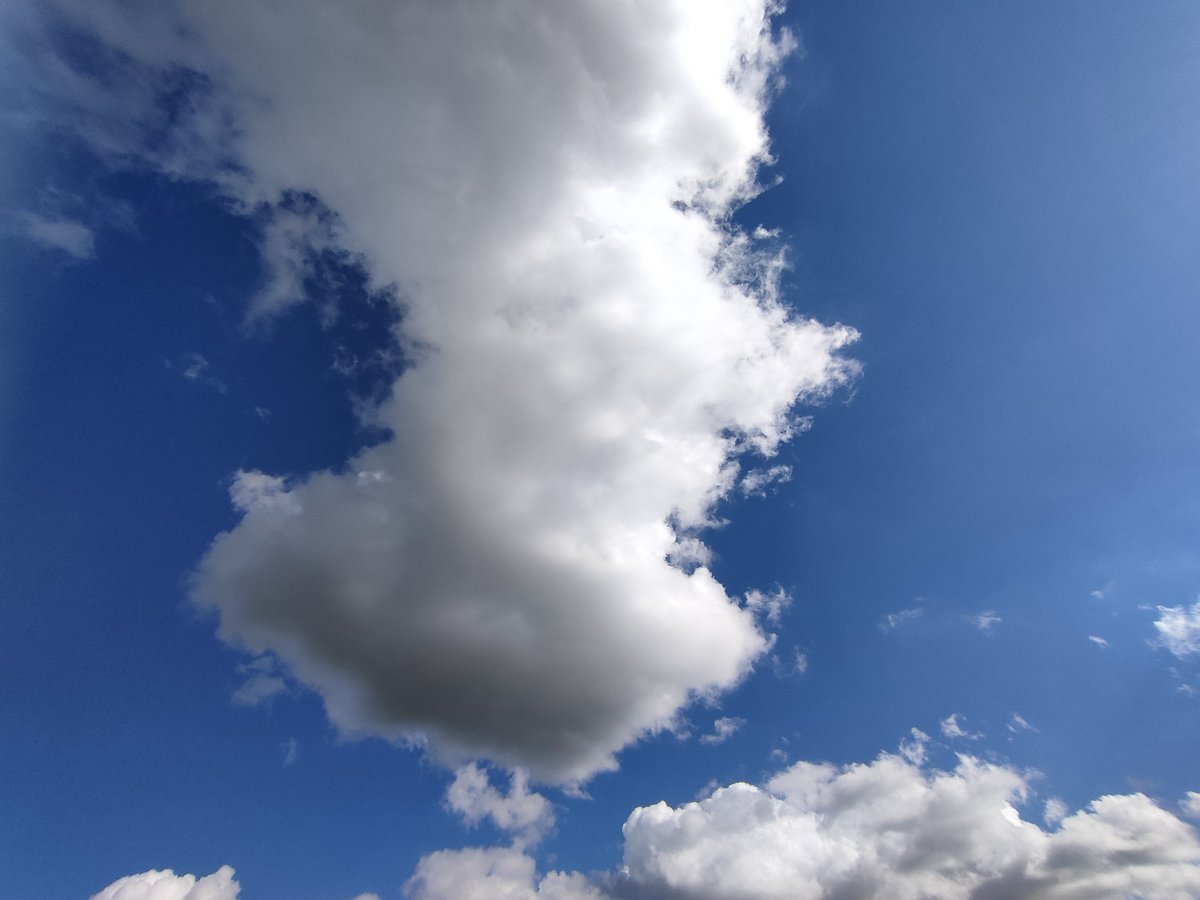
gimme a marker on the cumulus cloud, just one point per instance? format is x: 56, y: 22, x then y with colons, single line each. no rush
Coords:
x: 893, y: 828
x: 1178, y: 629
x: 595, y: 352
x: 166, y: 885
x: 492, y: 874
x: 524, y: 813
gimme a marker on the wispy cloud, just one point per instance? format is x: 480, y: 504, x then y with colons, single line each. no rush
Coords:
x: 952, y: 728
x: 894, y: 620
x: 1017, y: 724
x: 1178, y: 629
x: 985, y: 621
x: 74, y: 238
x: 723, y: 729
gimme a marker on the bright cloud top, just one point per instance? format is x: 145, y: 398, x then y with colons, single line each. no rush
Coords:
x: 166, y: 885
x: 887, y: 829
x: 517, y: 573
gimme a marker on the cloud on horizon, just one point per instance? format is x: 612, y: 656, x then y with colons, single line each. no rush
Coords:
x: 166, y: 885
x: 893, y: 828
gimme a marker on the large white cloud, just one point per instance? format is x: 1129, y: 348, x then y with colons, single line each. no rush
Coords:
x: 516, y: 573
x: 166, y: 885
x: 892, y: 829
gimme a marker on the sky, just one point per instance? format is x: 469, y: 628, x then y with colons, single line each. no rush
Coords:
x: 642, y: 450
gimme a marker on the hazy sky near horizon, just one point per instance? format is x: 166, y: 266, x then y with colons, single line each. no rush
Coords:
x: 599, y: 450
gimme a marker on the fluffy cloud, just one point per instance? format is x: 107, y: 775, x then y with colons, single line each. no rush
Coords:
x: 492, y: 874
x: 1179, y: 629
x: 892, y: 828
x: 525, y: 813
x: 166, y: 885
x: 595, y: 352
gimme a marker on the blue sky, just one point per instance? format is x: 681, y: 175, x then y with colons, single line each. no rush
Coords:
x: 371, y: 386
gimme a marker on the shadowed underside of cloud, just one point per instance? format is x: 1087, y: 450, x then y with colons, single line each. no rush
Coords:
x: 888, y: 829
x: 516, y: 573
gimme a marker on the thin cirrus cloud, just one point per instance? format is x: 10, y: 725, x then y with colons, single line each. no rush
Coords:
x: 518, y: 573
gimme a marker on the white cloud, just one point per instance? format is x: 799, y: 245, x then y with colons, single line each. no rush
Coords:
x: 524, y: 813
x: 892, y: 829
x: 757, y: 482
x: 1054, y: 811
x: 1017, y: 723
x: 768, y: 606
x: 72, y: 237
x: 1190, y: 804
x: 913, y: 748
x: 986, y: 620
x: 952, y: 728
x: 1179, y: 629
x: 291, y: 751
x: 894, y: 620
x: 492, y: 874
x: 595, y: 352
x: 1098, y: 641
x: 723, y: 729
x: 166, y: 885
